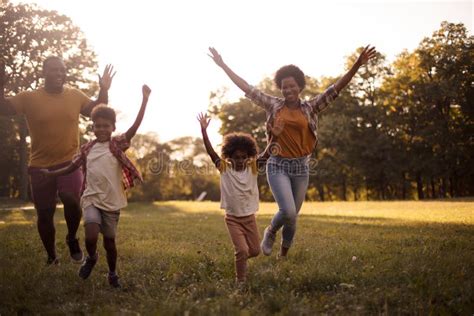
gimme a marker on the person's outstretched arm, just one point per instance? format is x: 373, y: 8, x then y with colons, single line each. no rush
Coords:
x: 6, y: 107
x: 59, y: 172
x: 321, y: 101
x: 133, y: 129
x: 105, y: 81
x: 239, y: 82
x: 204, y: 121
x: 366, y: 54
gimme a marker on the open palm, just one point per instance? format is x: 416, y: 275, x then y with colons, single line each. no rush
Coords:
x: 214, y: 54
x: 105, y: 81
x: 367, y: 54
x: 203, y: 120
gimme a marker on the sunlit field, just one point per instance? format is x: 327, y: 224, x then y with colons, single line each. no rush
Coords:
x: 176, y: 258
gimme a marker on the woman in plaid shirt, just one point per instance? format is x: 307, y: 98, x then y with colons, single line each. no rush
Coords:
x: 292, y: 132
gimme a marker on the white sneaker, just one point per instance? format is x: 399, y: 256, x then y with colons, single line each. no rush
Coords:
x: 267, y: 241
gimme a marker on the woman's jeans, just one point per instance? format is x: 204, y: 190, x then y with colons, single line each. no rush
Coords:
x: 288, y: 180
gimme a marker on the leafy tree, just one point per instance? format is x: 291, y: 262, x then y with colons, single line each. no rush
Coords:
x: 28, y: 35
x: 176, y: 170
x: 446, y: 61
x: 430, y: 95
x: 152, y: 159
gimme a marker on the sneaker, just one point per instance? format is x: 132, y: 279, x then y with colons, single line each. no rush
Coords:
x: 75, y: 250
x: 52, y: 261
x: 114, y: 281
x: 267, y: 241
x: 87, y: 266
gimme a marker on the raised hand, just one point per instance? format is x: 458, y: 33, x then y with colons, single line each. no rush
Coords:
x: 203, y: 120
x: 106, y: 80
x: 214, y: 54
x: 146, y: 91
x: 277, y: 127
x: 367, y: 54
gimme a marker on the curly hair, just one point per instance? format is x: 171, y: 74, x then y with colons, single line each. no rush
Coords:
x: 103, y: 111
x: 239, y: 141
x: 290, y: 71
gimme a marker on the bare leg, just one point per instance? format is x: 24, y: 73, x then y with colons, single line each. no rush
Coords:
x: 111, y: 249
x: 283, y: 251
x: 92, y: 235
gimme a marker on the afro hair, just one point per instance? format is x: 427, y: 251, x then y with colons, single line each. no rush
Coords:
x: 290, y: 71
x: 239, y: 141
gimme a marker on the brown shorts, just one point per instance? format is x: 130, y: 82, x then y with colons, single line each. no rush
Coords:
x: 44, y: 190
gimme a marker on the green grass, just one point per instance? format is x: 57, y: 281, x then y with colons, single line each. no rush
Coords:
x: 176, y: 258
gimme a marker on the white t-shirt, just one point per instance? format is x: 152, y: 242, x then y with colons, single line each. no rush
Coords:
x: 239, y: 190
x: 104, y: 188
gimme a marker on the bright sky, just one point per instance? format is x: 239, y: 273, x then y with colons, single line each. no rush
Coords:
x: 164, y: 44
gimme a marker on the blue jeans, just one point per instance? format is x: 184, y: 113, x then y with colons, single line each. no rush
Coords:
x: 288, y: 180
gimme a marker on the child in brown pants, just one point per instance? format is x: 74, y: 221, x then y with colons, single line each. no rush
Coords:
x: 239, y: 192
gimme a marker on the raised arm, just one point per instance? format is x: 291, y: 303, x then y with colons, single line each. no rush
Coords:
x: 241, y: 83
x: 133, y: 129
x: 104, y: 83
x: 6, y: 107
x: 366, y: 54
x: 204, y: 121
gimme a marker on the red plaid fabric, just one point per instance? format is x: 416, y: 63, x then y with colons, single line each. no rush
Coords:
x: 118, y: 145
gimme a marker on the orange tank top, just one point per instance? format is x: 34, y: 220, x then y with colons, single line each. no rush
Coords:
x: 296, y: 139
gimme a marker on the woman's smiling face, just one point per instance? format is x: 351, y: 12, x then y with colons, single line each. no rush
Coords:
x: 290, y: 89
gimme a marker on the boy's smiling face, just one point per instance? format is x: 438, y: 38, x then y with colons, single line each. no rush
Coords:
x: 103, y: 129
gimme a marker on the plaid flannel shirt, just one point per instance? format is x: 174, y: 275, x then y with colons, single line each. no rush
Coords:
x: 118, y: 145
x: 311, y: 108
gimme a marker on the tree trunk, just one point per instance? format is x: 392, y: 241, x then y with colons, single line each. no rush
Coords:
x: 457, y: 187
x: 454, y: 185
x: 419, y: 186
x: 451, y: 187
x: 23, y: 160
x: 321, y: 192
x: 366, y: 189
x: 329, y: 193
x: 442, y: 188
x: 381, y: 186
x: 404, y: 186
x: 344, y: 188
x: 433, y: 188
x: 356, y: 193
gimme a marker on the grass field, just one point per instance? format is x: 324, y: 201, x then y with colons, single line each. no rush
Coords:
x: 176, y: 258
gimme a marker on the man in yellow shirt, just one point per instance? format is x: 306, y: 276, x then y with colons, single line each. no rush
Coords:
x: 52, y: 113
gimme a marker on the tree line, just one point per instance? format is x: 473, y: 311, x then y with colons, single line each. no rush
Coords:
x: 402, y: 130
